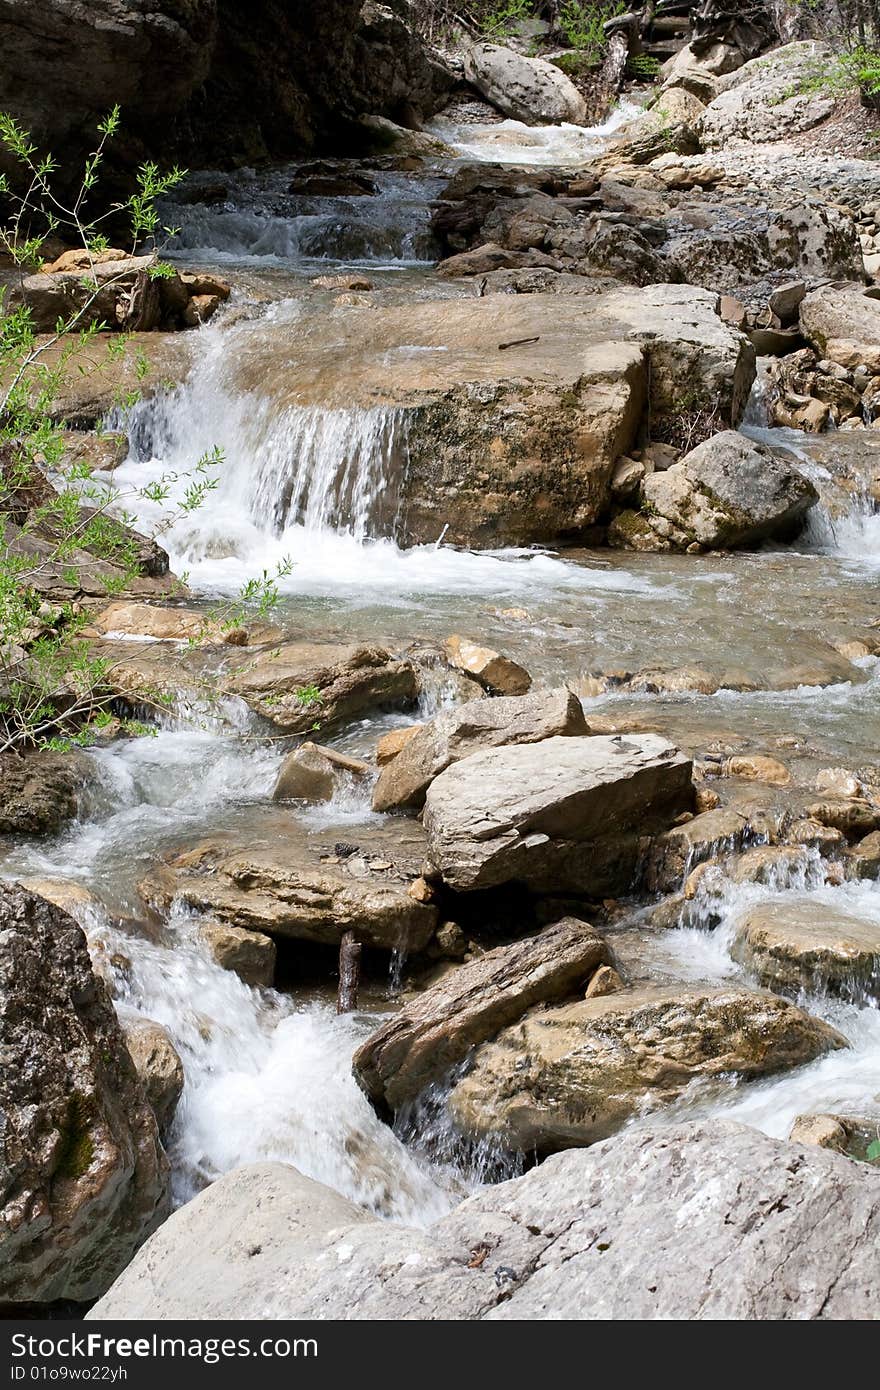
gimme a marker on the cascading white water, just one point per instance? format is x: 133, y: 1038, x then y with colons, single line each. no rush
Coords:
x: 331, y: 470
x: 512, y: 142
x: 268, y: 1075
x: 850, y: 529
x: 846, y: 1081
x: 317, y: 486
x: 260, y: 222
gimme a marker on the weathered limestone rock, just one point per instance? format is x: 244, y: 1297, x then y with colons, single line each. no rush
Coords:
x: 250, y: 954
x: 518, y: 405
x: 575, y: 1074
x: 771, y: 1231
x: 817, y: 240
x: 298, y: 684
x: 805, y: 944
x: 605, y: 981
x: 726, y: 492
x: 758, y: 767
x: 158, y: 1065
x: 282, y: 883
x: 116, y: 291
x: 84, y: 1177
x: 495, y: 673
x: 670, y: 124
x: 674, y: 854
x: 686, y: 342
x: 564, y: 815
x: 314, y: 773
x: 172, y: 623
x: 853, y: 818
x: 700, y: 74
x: 489, y: 257
x: 844, y: 324
x: 40, y: 791
x: 836, y: 781
x: 437, y: 1029
x: 526, y: 89
x: 459, y: 732
x: 864, y: 857
x: 765, y: 99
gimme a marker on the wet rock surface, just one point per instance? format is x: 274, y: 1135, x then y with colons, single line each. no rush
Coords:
x: 804, y: 945
x: 576, y: 372
x: 286, y: 884
x: 41, y: 790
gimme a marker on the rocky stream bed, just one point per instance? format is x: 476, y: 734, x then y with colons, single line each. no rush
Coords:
x: 568, y: 711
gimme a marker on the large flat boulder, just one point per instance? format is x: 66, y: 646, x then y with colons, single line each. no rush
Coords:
x: 526, y: 89
x: 457, y: 733
x: 287, y: 883
x: 727, y: 492
x: 802, y: 944
x: 83, y: 1176
x: 709, y: 1221
x: 437, y: 1029
x: 509, y: 411
x: 575, y: 1074
x: 563, y: 815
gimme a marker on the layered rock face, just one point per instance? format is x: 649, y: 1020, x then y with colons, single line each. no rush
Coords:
x: 84, y: 1177
x: 458, y: 733
x: 280, y: 883
x: 772, y: 1231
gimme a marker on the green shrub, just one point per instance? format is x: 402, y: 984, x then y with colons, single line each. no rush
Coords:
x: 53, y: 690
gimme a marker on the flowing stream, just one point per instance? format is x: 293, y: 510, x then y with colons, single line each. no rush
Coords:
x: 268, y: 1072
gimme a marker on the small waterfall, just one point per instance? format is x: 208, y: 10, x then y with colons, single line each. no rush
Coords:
x: 336, y: 470
x: 294, y: 479
x: 512, y: 142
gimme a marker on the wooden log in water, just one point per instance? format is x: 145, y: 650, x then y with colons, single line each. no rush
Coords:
x: 349, y: 974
